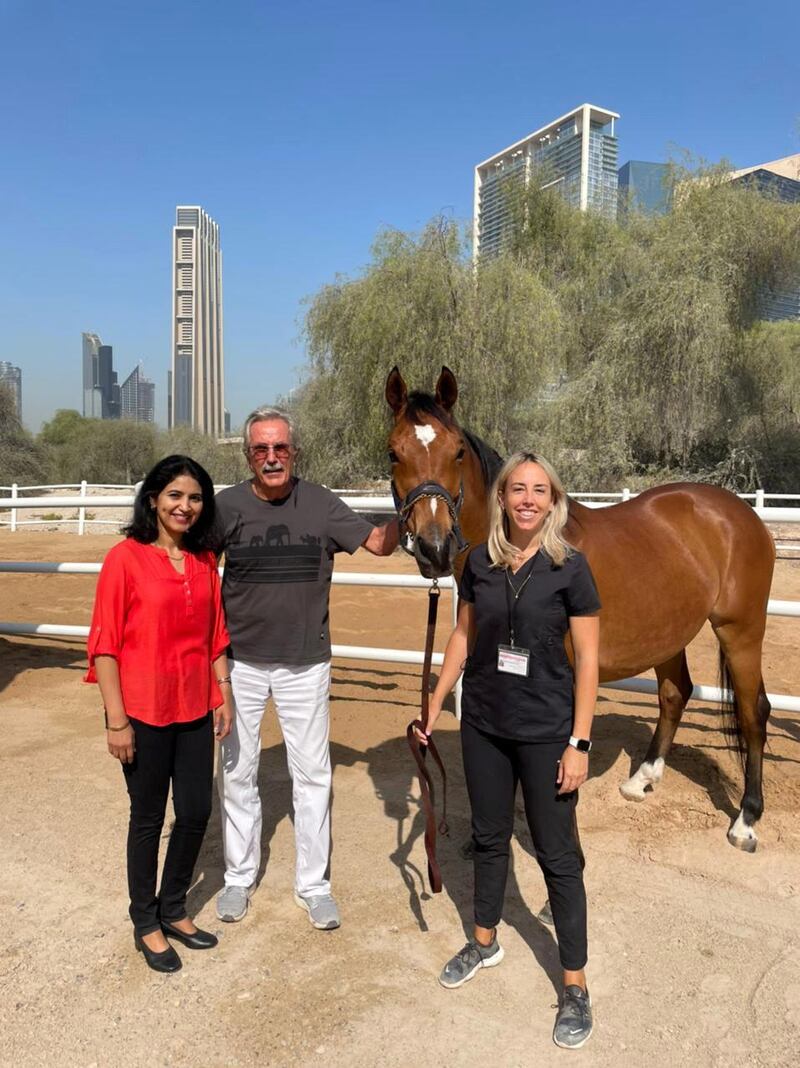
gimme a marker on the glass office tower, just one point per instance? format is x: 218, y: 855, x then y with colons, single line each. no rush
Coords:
x: 577, y: 154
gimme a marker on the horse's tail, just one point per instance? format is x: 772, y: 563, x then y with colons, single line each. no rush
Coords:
x: 729, y: 707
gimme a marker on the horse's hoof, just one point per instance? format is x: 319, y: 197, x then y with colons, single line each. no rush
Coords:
x: 747, y: 845
x: 632, y: 791
x: 742, y: 835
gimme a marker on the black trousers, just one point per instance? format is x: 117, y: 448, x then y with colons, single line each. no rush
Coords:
x: 182, y: 753
x: 493, y: 766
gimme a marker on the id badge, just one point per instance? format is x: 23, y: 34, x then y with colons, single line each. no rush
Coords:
x: 512, y: 659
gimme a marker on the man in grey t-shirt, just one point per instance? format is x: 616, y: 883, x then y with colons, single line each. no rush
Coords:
x: 279, y: 535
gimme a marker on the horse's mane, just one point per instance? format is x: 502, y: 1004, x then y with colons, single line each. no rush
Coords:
x: 419, y: 404
x: 490, y: 461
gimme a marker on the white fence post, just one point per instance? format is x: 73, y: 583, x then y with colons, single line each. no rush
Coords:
x: 759, y: 498
x: 14, y: 510
x: 626, y: 494
x: 82, y: 510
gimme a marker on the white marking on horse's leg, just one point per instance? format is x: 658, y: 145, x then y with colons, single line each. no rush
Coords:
x: 425, y: 433
x: 434, y: 502
x: 743, y: 835
x: 633, y: 789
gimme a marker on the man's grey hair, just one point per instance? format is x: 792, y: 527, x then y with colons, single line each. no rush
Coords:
x: 265, y: 414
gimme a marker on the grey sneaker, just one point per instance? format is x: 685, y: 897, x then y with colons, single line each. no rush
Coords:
x: 232, y: 903
x: 574, y: 1019
x: 321, y: 909
x: 460, y: 968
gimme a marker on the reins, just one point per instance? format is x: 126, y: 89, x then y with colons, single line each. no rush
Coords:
x: 419, y: 752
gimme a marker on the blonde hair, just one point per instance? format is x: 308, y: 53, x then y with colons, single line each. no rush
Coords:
x: 501, y: 552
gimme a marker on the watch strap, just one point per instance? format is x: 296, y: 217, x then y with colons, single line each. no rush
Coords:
x: 583, y: 745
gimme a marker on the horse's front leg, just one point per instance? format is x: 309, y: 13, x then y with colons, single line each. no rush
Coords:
x: 674, y: 690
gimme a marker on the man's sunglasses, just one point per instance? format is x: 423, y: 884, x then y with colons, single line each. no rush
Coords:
x: 261, y: 452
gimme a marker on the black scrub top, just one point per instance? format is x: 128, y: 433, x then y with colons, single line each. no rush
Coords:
x: 539, y: 707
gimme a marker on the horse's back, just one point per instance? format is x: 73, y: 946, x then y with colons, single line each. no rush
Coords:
x: 669, y: 559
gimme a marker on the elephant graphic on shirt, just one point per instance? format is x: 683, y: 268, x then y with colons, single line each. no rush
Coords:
x: 278, y: 536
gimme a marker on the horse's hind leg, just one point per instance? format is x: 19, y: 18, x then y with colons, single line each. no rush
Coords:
x: 741, y: 650
x: 674, y: 690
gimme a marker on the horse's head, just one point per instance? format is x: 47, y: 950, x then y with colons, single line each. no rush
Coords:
x: 426, y: 450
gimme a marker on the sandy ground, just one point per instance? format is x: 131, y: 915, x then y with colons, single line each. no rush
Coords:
x: 692, y: 943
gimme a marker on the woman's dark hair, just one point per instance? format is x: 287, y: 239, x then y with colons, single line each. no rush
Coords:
x: 144, y: 525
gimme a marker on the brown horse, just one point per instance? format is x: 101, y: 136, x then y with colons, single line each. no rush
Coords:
x: 664, y: 563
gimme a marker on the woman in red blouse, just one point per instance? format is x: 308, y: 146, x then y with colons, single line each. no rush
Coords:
x: 157, y: 649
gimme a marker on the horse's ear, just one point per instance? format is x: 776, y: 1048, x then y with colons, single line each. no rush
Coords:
x: 396, y: 391
x: 446, y: 389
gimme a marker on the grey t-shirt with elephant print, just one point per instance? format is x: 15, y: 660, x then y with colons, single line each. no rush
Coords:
x: 278, y: 568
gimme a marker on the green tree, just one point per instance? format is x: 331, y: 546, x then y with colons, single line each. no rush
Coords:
x: 21, y: 460
x: 420, y: 304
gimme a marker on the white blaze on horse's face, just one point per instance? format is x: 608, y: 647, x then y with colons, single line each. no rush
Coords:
x: 425, y: 434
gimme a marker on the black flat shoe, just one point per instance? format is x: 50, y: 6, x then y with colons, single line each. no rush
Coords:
x: 165, y: 961
x: 198, y: 940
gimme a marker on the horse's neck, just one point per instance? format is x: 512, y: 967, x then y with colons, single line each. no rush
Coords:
x: 578, y: 522
x: 477, y: 477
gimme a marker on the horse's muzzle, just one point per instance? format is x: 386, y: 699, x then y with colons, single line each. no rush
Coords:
x: 435, y: 551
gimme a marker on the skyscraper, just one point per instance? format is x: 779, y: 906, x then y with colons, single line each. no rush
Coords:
x: 107, y: 381
x: 576, y: 153
x: 644, y: 187
x: 92, y: 397
x: 137, y: 397
x: 100, y: 388
x: 198, y: 390
x: 11, y: 378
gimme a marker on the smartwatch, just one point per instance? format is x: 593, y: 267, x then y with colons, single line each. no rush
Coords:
x: 583, y: 745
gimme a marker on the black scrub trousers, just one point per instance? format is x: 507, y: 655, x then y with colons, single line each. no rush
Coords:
x: 515, y: 728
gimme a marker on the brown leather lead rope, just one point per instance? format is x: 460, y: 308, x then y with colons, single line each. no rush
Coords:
x: 419, y: 752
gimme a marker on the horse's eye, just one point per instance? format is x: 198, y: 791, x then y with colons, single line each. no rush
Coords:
x: 460, y: 455
x: 392, y: 456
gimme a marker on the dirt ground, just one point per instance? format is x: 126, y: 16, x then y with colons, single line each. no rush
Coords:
x: 693, y: 945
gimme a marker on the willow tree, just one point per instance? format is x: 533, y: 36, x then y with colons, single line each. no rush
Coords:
x: 420, y: 304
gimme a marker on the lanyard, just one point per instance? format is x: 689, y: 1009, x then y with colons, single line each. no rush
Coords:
x: 515, y: 592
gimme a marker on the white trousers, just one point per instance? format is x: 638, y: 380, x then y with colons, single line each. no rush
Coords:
x: 301, y: 696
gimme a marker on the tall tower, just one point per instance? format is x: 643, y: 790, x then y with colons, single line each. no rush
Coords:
x: 137, y: 397
x: 92, y: 394
x: 11, y: 377
x: 198, y: 390
x: 577, y: 153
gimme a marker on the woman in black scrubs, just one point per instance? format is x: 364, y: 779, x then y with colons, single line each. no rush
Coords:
x: 526, y: 716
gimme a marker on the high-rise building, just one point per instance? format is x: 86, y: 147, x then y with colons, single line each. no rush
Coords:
x: 100, y: 388
x: 137, y: 397
x: 107, y: 381
x: 576, y: 153
x: 644, y: 187
x: 780, y: 178
x: 11, y: 378
x: 198, y: 389
x: 92, y: 397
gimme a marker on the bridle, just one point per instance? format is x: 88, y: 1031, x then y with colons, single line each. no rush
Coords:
x: 421, y: 492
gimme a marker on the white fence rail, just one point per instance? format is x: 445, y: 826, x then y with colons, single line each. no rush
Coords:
x: 775, y: 607
x: 373, y: 504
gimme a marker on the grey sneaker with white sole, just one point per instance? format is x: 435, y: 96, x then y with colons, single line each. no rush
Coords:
x: 232, y: 903
x: 461, y: 968
x: 574, y: 1020
x: 322, y: 911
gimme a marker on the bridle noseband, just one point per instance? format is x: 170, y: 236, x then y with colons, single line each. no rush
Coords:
x: 420, y: 492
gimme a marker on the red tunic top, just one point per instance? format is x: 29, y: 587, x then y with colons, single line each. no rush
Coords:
x: 164, y: 630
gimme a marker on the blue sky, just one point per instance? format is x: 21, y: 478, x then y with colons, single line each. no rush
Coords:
x: 302, y: 129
